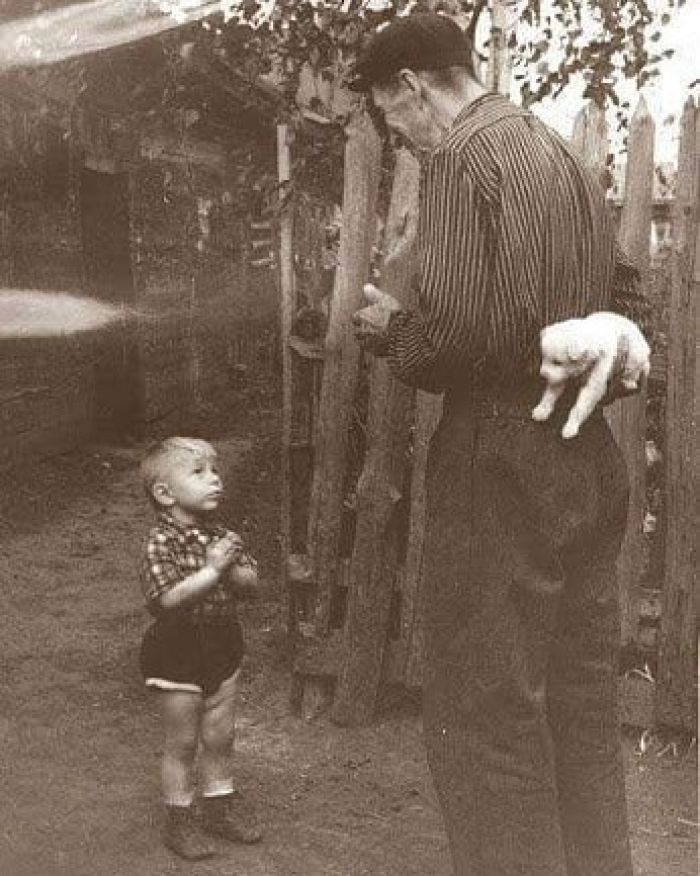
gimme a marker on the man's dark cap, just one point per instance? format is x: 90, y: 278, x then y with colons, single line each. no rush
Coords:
x: 426, y: 41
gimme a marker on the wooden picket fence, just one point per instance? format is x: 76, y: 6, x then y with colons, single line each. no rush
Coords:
x: 355, y: 612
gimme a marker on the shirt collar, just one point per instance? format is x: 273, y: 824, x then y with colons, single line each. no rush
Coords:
x: 185, y: 528
x: 488, y: 100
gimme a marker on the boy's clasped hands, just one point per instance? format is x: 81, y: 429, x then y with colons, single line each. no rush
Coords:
x: 223, y: 552
x: 227, y: 554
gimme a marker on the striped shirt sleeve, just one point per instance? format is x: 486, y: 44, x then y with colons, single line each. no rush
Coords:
x: 447, y: 329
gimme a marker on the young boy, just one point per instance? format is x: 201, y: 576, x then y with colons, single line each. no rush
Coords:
x: 195, y: 571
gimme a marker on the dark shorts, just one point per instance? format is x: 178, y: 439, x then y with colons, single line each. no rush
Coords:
x: 189, y: 656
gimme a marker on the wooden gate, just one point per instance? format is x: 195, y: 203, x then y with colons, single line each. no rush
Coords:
x: 378, y: 638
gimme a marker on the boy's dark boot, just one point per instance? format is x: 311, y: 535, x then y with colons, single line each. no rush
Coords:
x: 229, y: 817
x: 182, y: 835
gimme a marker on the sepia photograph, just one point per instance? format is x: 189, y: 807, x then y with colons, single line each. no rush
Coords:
x: 349, y: 402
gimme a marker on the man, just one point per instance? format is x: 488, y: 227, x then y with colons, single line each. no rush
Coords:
x: 521, y: 606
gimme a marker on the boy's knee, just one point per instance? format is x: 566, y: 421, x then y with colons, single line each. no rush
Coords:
x: 183, y: 747
x: 217, y: 734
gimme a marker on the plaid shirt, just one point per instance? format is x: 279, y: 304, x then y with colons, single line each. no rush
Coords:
x: 173, y: 552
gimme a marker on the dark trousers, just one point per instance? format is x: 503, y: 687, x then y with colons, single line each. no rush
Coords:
x: 522, y: 637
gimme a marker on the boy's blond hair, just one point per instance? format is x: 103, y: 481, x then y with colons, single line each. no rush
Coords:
x: 160, y: 460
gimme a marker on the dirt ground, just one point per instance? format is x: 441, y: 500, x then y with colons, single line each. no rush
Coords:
x: 80, y: 737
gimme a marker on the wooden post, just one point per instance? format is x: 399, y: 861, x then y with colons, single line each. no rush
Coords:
x: 628, y: 417
x: 498, y: 70
x: 342, y: 358
x: 676, y: 699
x: 428, y: 413
x: 374, y: 563
x: 590, y: 137
x: 286, y: 286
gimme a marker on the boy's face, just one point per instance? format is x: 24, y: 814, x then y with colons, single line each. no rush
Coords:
x: 191, y: 486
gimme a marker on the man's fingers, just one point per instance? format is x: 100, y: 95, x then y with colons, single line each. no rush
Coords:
x: 617, y: 390
x: 372, y: 294
x: 366, y: 319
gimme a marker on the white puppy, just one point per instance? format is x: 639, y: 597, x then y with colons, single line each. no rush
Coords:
x: 589, y: 346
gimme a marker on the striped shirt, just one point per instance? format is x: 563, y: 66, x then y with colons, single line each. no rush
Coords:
x: 514, y: 234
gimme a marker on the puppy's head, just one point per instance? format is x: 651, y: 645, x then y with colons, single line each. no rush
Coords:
x: 565, y: 351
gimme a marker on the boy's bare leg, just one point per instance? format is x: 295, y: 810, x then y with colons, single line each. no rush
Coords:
x: 181, y: 718
x: 226, y: 814
x: 182, y: 712
x: 217, y: 737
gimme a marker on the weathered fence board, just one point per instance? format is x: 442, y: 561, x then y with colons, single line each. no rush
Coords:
x: 375, y: 647
x: 677, y: 673
x: 375, y: 558
x: 408, y: 651
x: 590, y: 137
x: 498, y: 71
x: 342, y: 357
x: 285, y: 273
x: 628, y: 417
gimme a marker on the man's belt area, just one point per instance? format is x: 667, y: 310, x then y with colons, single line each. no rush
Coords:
x: 509, y: 401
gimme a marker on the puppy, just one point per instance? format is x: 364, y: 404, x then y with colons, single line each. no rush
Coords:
x: 591, y: 346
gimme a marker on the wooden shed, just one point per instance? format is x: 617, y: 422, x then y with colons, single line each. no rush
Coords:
x: 163, y: 213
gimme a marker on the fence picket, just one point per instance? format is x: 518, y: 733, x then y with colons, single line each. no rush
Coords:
x: 342, y: 357
x: 628, y: 417
x: 590, y: 137
x: 428, y: 413
x: 676, y: 684
x: 401, y: 659
x: 375, y: 558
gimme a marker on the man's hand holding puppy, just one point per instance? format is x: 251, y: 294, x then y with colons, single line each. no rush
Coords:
x: 605, y: 354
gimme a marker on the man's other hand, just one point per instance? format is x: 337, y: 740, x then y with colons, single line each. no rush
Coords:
x: 372, y: 322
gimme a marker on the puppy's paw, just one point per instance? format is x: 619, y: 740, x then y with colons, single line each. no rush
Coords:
x: 570, y: 429
x: 542, y: 412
